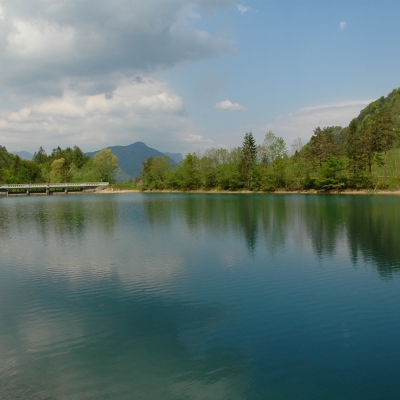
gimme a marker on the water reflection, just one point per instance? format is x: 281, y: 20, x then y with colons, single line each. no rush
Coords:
x: 198, y: 296
x: 101, y: 341
x: 368, y: 224
x: 60, y: 217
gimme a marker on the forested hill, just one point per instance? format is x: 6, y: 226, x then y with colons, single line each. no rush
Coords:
x: 131, y: 158
x: 391, y: 103
x: 365, y: 154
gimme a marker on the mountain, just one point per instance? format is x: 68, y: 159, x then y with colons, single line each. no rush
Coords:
x: 131, y: 158
x: 25, y: 155
x: 177, y: 157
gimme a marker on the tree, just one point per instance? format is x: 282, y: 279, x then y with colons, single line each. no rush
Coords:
x: 40, y: 156
x: 106, y: 164
x: 57, y: 171
x: 355, y: 149
x: 154, y: 172
x: 190, y: 171
x: 367, y: 143
x: 248, y: 159
x: 384, y: 135
x: 78, y: 157
x: 146, y: 169
x: 273, y: 148
x: 332, y: 174
x: 296, y: 147
x: 322, y: 145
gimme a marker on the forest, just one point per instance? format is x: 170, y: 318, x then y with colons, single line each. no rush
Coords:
x: 62, y: 165
x: 363, y: 155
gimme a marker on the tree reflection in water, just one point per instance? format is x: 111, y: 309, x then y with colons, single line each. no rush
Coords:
x: 367, y: 224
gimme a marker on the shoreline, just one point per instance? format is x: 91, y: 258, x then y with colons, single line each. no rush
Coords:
x: 315, y: 192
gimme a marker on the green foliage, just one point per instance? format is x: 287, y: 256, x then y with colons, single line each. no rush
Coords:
x: 322, y: 145
x: 327, y: 162
x: 154, y: 172
x: 125, y: 186
x: 191, y: 172
x: 332, y: 175
x: 63, y: 165
x: 273, y: 148
x: 105, y: 164
x: 40, y: 157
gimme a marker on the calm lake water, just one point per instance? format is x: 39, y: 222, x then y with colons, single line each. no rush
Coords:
x: 195, y: 296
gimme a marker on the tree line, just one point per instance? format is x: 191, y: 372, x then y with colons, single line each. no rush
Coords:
x: 361, y: 156
x: 62, y: 165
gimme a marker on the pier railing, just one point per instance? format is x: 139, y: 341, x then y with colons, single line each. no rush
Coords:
x: 5, y: 189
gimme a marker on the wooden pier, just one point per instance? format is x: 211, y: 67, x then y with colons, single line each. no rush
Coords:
x: 49, y: 188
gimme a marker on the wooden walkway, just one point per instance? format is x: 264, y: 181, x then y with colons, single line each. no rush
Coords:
x: 49, y: 188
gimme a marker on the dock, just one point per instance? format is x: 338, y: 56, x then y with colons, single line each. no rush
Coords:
x: 49, y: 188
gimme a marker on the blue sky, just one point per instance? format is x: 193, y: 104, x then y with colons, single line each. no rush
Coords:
x: 182, y: 76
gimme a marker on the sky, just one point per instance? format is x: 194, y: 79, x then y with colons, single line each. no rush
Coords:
x: 183, y: 76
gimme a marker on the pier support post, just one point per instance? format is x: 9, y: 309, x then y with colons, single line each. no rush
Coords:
x: 66, y: 190
x: 47, y: 191
x: 27, y: 192
x: 7, y: 193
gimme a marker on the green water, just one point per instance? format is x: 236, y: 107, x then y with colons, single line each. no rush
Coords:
x: 184, y: 296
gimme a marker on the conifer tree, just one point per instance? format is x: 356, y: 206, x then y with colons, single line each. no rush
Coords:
x: 323, y: 145
x: 248, y: 159
x: 384, y: 135
x: 358, y: 152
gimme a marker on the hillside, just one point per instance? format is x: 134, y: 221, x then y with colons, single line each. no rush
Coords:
x: 131, y: 158
x: 367, y: 115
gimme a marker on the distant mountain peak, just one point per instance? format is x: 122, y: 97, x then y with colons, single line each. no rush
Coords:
x: 132, y: 156
x: 25, y: 155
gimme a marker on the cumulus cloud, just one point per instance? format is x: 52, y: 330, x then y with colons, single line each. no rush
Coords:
x: 146, y: 110
x: 71, y: 69
x: 229, y: 106
x: 302, y: 122
x: 342, y: 25
x: 46, y: 41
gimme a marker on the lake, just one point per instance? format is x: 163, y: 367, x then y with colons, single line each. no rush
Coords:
x: 200, y: 296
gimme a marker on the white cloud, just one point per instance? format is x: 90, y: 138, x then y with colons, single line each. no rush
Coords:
x: 199, y: 139
x: 342, y: 25
x: 162, y: 102
x: 39, y: 38
x: 65, y: 107
x: 20, y: 115
x: 229, y: 106
x: 302, y: 122
x: 47, y: 42
x: 243, y: 9
x: 138, y: 110
x: 78, y: 72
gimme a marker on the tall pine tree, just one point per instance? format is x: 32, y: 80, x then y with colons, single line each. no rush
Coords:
x: 248, y: 159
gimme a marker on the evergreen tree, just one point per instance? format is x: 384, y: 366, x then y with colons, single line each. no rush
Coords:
x: 323, y: 145
x: 384, y: 135
x: 248, y: 159
x: 355, y: 148
x: 40, y: 156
